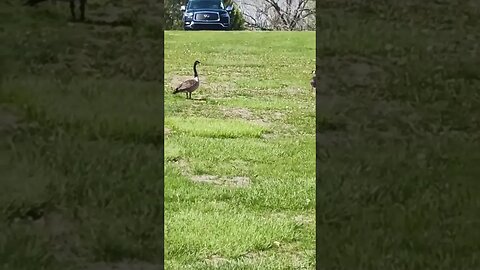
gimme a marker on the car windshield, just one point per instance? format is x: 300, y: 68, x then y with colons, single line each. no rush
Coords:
x: 205, y: 4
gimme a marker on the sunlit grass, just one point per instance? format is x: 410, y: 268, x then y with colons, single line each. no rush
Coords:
x: 248, y: 92
x: 215, y: 128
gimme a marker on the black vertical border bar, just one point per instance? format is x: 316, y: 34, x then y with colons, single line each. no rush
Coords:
x: 162, y: 129
x: 317, y: 161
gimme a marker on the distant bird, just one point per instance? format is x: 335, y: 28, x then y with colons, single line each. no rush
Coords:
x: 313, y: 82
x: 190, y: 85
x: 72, y: 7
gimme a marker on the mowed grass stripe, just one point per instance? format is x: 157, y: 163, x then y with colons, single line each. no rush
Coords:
x: 261, y: 100
x: 215, y: 128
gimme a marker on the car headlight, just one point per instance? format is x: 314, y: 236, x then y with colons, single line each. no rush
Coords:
x: 225, y: 15
x: 189, y: 15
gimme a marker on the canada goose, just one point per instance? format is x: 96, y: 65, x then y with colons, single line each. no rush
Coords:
x: 190, y: 85
x: 313, y: 82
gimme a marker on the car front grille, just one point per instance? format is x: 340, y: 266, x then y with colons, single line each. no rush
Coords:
x: 206, y: 16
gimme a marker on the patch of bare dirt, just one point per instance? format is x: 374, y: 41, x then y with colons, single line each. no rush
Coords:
x: 278, y: 115
x: 166, y: 131
x: 238, y: 113
x: 246, y: 114
x: 221, y: 90
x: 236, y: 181
x: 11, y: 119
x: 55, y: 224
x: 304, y: 220
x: 183, y: 166
x: 261, y: 122
x: 61, y: 232
x: 269, y: 136
x: 272, y: 116
x: 350, y: 72
x: 8, y: 120
x: 301, y: 219
x: 296, y: 254
x: 292, y: 91
x: 216, y: 260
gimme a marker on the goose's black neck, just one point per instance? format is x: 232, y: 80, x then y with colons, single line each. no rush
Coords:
x: 195, y: 74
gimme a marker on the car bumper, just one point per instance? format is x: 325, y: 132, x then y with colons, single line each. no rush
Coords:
x: 206, y: 26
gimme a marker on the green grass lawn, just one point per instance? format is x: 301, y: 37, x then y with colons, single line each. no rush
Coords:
x: 398, y: 142
x: 240, y: 170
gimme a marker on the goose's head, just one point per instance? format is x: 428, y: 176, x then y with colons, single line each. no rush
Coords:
x: 196, y: 62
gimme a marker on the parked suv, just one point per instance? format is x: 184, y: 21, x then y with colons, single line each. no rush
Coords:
x: 206, y: 15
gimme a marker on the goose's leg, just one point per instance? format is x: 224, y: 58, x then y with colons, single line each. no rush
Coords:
x: 190, y: 94
x: 186, y: 94
x: 72, y: 9
x: 82, y: 9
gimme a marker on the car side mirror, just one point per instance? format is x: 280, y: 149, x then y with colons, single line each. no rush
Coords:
x: 182, y: 8
x: 229, y: 8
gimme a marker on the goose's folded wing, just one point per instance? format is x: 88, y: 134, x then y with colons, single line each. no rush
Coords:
x: 186, y: 85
